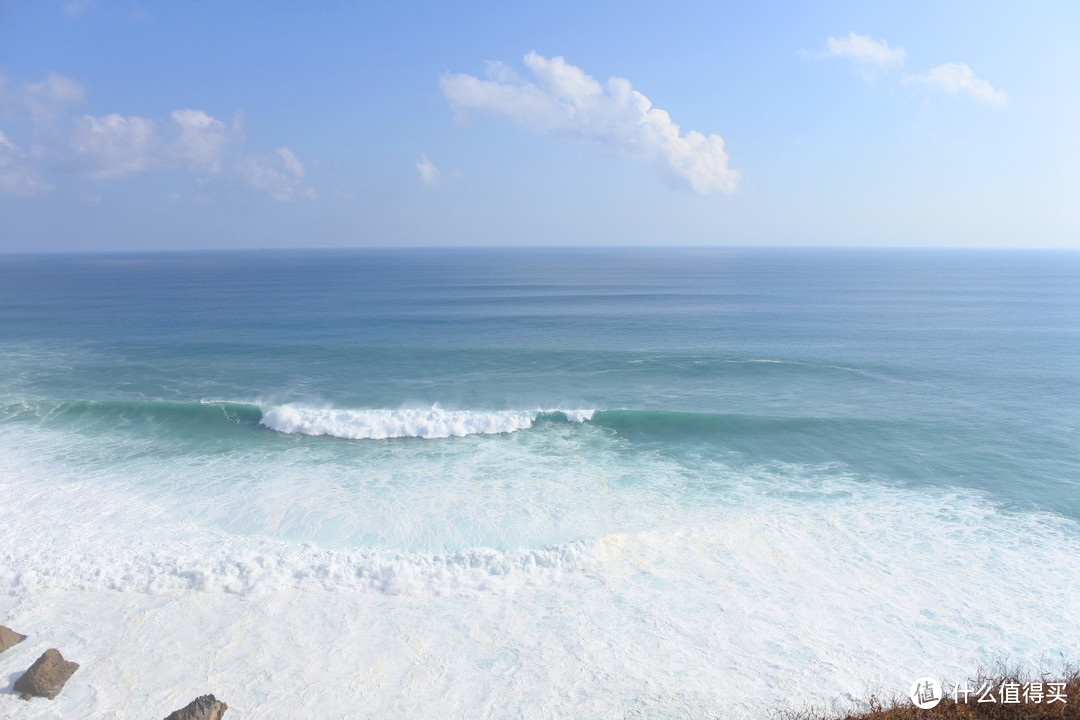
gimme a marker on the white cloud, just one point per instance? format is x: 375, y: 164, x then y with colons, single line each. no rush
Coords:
x: 16, y: 177
x: 291, y: 162
x: 284, y: 184
x: 202, y: 140
x: 113, y: 145
x: 956, y: 77
x: 566, y: 101
x: 429, y: 174
x: 864, y: 50
x: 47, y: 99
x: 116, y: 146
x: 499, y: 71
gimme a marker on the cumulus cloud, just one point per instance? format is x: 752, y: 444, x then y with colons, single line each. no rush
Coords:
x: 865, y: 51
x: 47, y: 99
x: 113, y: 145
x: 103, y: 147
x: 283, y: 183
x: 429, y: 174
x: 16, y: 176
x: 870, y: 56
x: 201, y: 143
x: 565, y: 101
x: 958, y: 77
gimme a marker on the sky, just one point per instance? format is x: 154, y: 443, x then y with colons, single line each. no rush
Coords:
x: 209, y: 125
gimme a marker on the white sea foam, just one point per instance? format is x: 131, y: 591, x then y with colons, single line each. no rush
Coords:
x: 221, y: 563
x: 794, y: 586
x: 380, y: 424
x: 87, y: 536
x: 783, y: 604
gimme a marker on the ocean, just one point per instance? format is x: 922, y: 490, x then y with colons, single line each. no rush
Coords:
x: 535, y: 483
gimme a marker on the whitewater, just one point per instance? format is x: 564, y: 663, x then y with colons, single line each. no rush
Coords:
x: 381, y: 424
x: 535, y: 483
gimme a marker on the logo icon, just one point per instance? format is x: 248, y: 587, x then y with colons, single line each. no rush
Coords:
x: 925, y: 693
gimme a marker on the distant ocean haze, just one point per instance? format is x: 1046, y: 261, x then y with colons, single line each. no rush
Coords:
x: 747, y: 475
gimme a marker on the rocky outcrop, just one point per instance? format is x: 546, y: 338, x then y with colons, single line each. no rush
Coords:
x: 46, y: 677
x: 9, y: 637
x: 206, y: 707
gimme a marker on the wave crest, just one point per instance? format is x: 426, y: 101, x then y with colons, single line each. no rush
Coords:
x: 433, y: 422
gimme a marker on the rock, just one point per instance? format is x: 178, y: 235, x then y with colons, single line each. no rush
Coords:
x: 206, y: 707
x: 9, y: 637
x: 46, y: 677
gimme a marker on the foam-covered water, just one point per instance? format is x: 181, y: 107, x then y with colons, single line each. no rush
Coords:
x: 536, y: 484
x: 381, y: 424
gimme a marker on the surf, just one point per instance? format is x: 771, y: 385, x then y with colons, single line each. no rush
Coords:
x: 430, y: 423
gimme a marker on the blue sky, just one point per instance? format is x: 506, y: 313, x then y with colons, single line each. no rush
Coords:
x: 130, y: 126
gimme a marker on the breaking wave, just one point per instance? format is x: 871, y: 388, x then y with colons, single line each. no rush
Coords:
x: 433, y: 422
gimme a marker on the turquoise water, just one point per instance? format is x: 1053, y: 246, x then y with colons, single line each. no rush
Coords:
x: 443, y: 422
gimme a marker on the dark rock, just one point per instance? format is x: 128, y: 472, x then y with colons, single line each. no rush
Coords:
x: 206, y: 707
x: 9, y: 637
x: 46, y: 677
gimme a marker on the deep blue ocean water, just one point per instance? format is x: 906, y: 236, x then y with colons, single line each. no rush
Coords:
x: 443, y: 422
